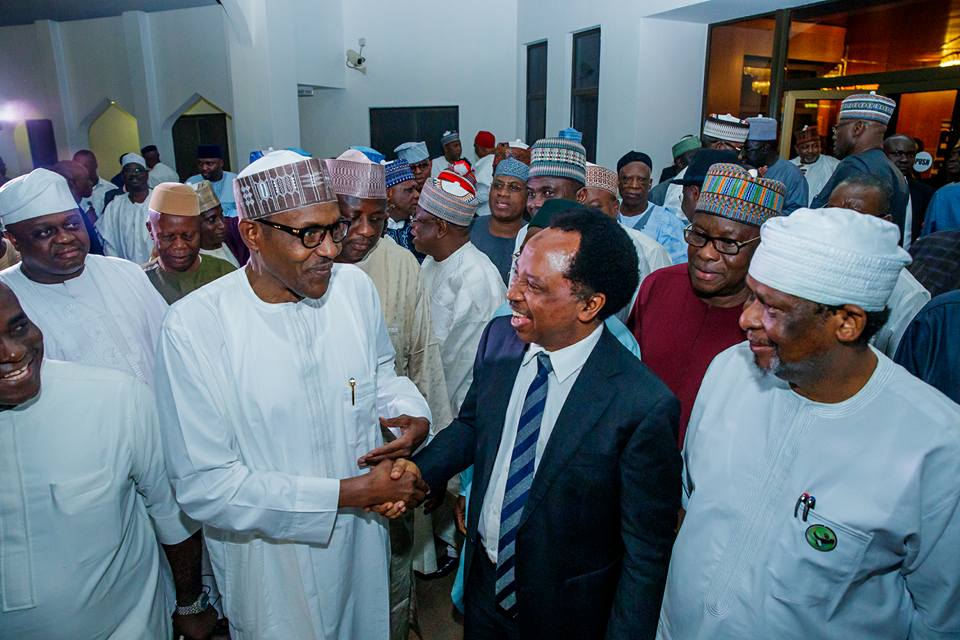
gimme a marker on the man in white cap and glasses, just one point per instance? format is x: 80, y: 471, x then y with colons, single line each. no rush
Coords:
x: 271, y: 383
x: 820, y: 478
x: 123, y: 223
x: 92, y: 309
x: 452, y: 151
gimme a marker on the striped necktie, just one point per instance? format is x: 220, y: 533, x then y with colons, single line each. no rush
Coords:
x: 519, y: 480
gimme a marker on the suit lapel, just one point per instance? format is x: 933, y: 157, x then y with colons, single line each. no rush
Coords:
x: 502, y: 373
x: 587, y: 401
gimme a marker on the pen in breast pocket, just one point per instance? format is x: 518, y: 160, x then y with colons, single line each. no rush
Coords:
x: 353, y: 390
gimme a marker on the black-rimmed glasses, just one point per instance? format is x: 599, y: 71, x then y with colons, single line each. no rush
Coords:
x: 697, y: 238
x: 311, y: 237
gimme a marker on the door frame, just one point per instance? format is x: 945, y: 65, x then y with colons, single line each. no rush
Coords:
x: 790, y: 99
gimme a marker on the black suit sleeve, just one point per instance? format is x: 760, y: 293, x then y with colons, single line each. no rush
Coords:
x: 650, y: 500
x: 453, y: 449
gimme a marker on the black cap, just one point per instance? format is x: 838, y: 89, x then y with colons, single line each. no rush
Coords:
x: 634, y: 156
x: 209, y: 151
x: 701, y: 162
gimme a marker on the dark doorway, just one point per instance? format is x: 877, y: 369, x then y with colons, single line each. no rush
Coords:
x: 43, y: 146
x: 390, y: 128
x: 190, y: 131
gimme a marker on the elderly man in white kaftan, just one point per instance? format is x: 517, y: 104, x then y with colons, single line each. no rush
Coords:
x: 123, y: 222
x: 92, y: 309
x: 270, y: 382
x: 464, y: 286
x: 820, y: 478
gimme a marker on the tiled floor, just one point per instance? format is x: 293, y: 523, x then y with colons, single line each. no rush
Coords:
x: 439, y: 619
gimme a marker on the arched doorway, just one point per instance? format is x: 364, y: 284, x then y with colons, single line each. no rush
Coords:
x: 202, y: 123
x: 113, y: 133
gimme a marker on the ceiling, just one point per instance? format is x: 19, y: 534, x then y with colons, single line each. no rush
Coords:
x: 29, y: 11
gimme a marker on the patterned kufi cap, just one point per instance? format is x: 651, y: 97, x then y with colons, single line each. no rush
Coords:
x: 208, y: 199
x: 449, y: 136
x: 413, y: 152
x: 559, y: 158
x: 807, y: 134
x: 732, y: 192
x: 687, y: 143
x: 601, y: 178
x: 397, y: 171
x: 449, y: 200
x: 281, y: 181
x: 354, y: 174
x: 512, y: 168
x: 726, y: 127
x: 867, y: 106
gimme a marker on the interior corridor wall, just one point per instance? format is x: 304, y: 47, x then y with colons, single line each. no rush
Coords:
x: 421, y: 53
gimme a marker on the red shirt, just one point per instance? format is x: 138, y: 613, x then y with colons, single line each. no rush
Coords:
x: 679, y: 334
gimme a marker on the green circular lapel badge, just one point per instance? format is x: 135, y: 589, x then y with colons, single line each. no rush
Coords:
x: 821, y: 537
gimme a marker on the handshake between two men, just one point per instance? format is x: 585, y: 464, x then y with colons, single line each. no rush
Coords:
x: 394, y: 483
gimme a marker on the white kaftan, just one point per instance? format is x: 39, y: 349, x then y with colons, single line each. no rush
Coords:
x: 84, y: 499
x: 817, y: 173
x: 877, y: 555
x: 465, y: 289
x: 123, y: 227
x: 161, y: 173
x: 905, y: 302
x: 108, y: 316
x: 223, y: 252
x: 483, y: 171
x: 261, y: 423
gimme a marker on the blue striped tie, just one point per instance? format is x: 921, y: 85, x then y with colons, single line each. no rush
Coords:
x: 519, y: 480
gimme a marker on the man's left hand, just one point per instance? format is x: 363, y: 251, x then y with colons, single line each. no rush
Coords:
x: 198, y: 626
x: 414, y: 432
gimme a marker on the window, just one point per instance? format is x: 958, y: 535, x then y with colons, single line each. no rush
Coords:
x: 391, y: 127
x: 738, y: 72
x: 536, y: 91
x: 585, y: 88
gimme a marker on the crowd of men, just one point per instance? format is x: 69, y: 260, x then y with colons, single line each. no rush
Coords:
x: 719, y: 407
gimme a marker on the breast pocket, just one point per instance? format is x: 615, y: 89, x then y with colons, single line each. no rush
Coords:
x: 360, y: 402
x: 814, y: 561
x: 90, y: 507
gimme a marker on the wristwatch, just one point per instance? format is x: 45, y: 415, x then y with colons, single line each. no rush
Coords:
x: 199, y: 606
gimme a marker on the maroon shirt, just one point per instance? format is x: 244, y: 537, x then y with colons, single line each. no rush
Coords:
x: 679, y: 334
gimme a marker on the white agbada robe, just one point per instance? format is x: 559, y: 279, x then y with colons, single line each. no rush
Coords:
x: 883, y: 467
x: 108, y: 316
x: 161, y: 173
x: 640, y: 242
x: 817, y: 173
x: 674, y: 195
x: 84, y: 500
x: 905, y: 302
x: 483, y: 171
x: 439, y: 164
x: 465, y: 289
x: 223, y: 252
x: 260, y: 424
x: 123, y: 227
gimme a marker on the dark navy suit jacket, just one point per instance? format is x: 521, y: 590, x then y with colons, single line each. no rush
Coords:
x: 596, y: 532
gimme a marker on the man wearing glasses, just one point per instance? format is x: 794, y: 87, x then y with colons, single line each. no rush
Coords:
x: 688, y: 313
x: 123, y: 223
x: 271, y: 383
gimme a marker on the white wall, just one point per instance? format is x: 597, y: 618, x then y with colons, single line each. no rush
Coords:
x: 22, y: 95
x: 651, y: 73
x: 417, y: 58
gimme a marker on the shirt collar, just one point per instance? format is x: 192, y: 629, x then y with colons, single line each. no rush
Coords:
x: 570, y: 359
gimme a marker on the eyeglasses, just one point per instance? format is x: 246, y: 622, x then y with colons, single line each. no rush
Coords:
x: 311, y: 237
x: 726, y: 246
x: 512, y: 187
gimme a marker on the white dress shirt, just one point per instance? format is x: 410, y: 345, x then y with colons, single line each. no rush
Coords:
x: 567, y: 364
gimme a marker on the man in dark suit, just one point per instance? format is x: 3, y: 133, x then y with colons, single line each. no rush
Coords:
x: 902, y: 151
x: 573, y: 441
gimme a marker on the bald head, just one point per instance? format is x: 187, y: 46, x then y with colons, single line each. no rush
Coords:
x: 77, y: 176
x: 89, y: 160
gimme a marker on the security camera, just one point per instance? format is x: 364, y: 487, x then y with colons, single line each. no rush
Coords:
x: 354, y: 59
